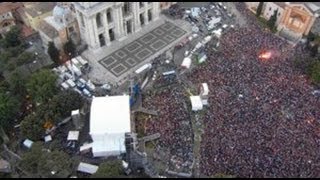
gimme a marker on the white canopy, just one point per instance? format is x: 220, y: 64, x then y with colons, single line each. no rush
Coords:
x: 109, y: 121
x: 205, y: 89
x: 73, y: 136
x: 196, y: 103
x: 142, y: 68
x: 47, y: 138
x: 202, y: 59
x: 28, y: 143
x: 87, y: 168
x: 186, y: 62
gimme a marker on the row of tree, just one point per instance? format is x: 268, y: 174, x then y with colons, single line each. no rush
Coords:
x: 69, y: 49
x: 273, y: 18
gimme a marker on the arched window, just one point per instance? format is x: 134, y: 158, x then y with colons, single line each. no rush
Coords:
x: 126, y: 8
x: 6, y: 24
x: 109, y: 15
x: 98, y: 19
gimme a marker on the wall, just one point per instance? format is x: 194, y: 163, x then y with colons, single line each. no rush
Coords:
x: 269, y: 9
x: 35, y: 21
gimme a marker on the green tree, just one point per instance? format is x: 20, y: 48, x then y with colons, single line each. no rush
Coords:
x: 109, y: 169
x: 29, y: 160
x: 43, y: 163
x: 66, y: 101
x: 32, y: 127
x: 314, y: 72
x: 54, y: 53
x: 55, y: 164
x: 314, y: 50
x: 221, y: 175
x: 17, y: 83
x: 12, y: 38
x: 70, y: 48
x: 25, y: 57
x: 272, y: 21
x: 259, y: 9
x: 42, y: 85
x: 9, y: 106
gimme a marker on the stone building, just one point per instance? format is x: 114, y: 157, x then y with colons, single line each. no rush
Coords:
x: 102, y: 23
x: 35, y: 12
x: 59, y: 27
x: 166, y: 5
x: 295, y: 19
x: 8, y: 16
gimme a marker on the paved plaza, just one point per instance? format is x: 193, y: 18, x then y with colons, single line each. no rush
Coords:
x: 139, y: 50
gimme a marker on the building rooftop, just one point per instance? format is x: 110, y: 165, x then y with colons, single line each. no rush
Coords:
x: 46, y: 28
x: 9, y: 6
x: 35, y: 9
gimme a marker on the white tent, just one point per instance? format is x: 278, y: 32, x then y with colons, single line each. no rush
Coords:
x: 196, y: 103
x: 204, y: 89
x: 87, y: 168
x: 73, y: 136
x: 109, y: 121
x: 186, y: 62
x: 142, y: 68
x: 47, y: 138
x: 202, y: 59
x: 27, y: 143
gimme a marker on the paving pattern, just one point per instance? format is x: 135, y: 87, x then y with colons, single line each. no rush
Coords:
x: 132, y: 54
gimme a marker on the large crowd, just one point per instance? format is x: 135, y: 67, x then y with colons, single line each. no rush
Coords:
x: 262, y: 119
x: 174, y: 125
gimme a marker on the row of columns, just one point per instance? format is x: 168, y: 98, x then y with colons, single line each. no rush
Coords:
x: 91, y: 31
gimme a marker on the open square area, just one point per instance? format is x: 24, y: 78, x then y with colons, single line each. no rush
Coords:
x: 139, y: 50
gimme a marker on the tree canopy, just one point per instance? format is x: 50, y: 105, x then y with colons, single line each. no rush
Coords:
x: 41, y: 85
x: 314, y: 71
x: 259, y: 9
x: 12, y: 38
x: 273, y: 19
x: 46, y: 164
x: 54, y: 53
x: 9, y: 106
x: 109, y: 169
x: 70, y: 48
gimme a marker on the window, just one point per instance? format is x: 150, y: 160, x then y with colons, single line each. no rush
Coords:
x: 82, y: 20
x: 142, y: 19
x: 141, y: 4
x: 6, y: 24
x: 98, y: 19
x: 71, y: 29
x: 129, y: 27
x: 111, y: 35
x: 109, y: 16
x: 126, y: 9
x: 101, y: 40
x: 149, y: 15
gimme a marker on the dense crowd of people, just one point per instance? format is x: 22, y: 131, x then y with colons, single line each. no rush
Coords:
x: 174, y: 124
x: 263, y: 120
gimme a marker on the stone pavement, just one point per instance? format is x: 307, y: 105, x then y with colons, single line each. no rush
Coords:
x: 115, y: 63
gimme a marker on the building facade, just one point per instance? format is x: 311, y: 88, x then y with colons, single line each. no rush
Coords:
x: 102, y: 23
x: 166, y: 5
x: 7, y: 16
x: 59, y: 27
x: 35, y: 12
x: 294, y: 19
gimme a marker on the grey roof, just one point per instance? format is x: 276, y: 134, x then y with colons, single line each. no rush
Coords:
x: 35, y: 9
x: 48, y: 29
